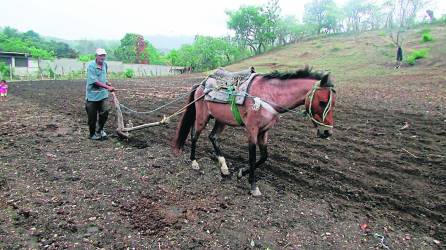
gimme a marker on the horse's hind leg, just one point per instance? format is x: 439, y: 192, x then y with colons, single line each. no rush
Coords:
x: 213, y: 137
x: 201, y: 120
x: 194, y: 138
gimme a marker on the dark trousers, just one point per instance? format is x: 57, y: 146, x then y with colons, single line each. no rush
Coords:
x: 94, y: 110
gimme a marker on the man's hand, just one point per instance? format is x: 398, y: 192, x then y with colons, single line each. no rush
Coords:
x: 111, y: 89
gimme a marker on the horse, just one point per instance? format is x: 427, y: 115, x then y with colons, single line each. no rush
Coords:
x: 269, y: 95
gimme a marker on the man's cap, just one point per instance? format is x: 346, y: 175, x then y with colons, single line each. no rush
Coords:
x: 100, y: 51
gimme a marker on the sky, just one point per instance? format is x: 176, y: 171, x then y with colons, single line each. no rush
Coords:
x: 111, y: 19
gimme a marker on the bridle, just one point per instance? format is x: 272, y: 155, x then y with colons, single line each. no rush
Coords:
x: 310, y: 96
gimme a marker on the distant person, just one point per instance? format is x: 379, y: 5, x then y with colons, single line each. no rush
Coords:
x: 3, y: 89
x: 97, y: 89
x: 399, y: 57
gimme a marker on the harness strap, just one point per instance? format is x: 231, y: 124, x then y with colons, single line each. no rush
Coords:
x: 234, y: 109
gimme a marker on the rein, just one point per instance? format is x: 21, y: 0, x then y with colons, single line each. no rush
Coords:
x: 327, y: 108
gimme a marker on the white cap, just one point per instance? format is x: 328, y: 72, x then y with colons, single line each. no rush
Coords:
x: 100, y: 51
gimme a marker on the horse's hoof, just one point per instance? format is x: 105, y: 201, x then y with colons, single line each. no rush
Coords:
x: 195, y: 165
x: 223, y: 166
x: 256, y: 192
x: 240, y: 173
x: 225, y: 171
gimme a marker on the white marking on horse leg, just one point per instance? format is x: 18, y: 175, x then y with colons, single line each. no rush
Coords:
x: 256, y: 192
x: 223, y: 167
x: 240, y: 172
x: 195, y: 165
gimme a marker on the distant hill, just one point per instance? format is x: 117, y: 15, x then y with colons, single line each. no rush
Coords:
x: 166, y: 43
x: 162, y: 43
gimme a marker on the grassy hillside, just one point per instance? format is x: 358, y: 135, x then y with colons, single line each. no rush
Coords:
x: 351, y: 56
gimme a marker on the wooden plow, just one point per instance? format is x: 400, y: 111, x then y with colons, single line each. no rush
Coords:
x: 123, y: 131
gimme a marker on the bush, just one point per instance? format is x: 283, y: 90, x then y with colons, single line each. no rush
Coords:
x: 426, y: 37
x: 415, y: 55
x: 129, y: 73
x: 4, y: 70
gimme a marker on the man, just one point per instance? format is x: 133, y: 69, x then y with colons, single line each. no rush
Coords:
x: 399, y: 57
x: 97, y: 89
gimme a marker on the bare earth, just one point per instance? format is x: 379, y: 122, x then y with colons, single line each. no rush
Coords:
x: 58, y: 189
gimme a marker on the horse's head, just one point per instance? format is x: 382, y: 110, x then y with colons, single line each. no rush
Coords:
x: 319, y: 104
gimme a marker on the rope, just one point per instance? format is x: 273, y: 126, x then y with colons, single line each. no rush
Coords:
x: 129, y: 110
x: 326, y: 110
x: 181, y: 110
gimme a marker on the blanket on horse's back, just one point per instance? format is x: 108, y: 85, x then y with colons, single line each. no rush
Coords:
x: 222, y: 84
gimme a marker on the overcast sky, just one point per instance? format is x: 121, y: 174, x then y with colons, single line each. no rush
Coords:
x: 111, y: 19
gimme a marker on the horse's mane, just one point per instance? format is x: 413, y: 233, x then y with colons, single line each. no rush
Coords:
x: 300, y: 73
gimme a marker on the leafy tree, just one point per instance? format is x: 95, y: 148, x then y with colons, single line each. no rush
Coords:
x: 323, y: 15
x: 249, y: 25
x: 24, y: 42
x: 290, y: 30
x: 207, y: 53
x: 356, y: 11
x: 126, y: 52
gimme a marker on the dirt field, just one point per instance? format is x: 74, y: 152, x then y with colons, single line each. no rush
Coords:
x: 58, y: 189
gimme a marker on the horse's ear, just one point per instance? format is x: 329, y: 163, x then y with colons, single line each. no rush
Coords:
x: 253, y: 70
x: 324, y: 80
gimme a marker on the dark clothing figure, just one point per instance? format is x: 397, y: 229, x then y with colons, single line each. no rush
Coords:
x: 399, y: 54
x: 95, y: 110
x: 399, y: 57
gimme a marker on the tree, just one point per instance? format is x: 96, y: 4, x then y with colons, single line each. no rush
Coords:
x: 248, y: 22
x: 127, y: 53
x: 323, y: 15
x: 25, y: 41
x: 356, y: 13
x: 289, y: 30
x: 206, y: 53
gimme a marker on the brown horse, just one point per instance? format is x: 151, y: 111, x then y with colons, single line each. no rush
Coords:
x: 269, y: 95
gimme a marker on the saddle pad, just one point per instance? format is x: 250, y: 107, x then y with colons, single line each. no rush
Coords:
x: 216, y: 91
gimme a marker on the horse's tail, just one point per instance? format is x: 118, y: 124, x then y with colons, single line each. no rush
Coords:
x: 185, y: 124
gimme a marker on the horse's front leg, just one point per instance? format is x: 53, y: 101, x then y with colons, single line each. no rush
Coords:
x: 262, y: 140
x: 252, y: 167
x: 213, y: 137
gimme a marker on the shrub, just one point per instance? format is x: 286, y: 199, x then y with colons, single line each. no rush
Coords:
x: 129, y: 73
x: 4, y: 70
x: 415, y: 55
x: 426, y: 37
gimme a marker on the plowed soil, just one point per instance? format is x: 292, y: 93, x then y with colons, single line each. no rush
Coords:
x: 384, y: 169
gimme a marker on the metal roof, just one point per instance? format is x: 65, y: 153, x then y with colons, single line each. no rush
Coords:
x: 5, y: 53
